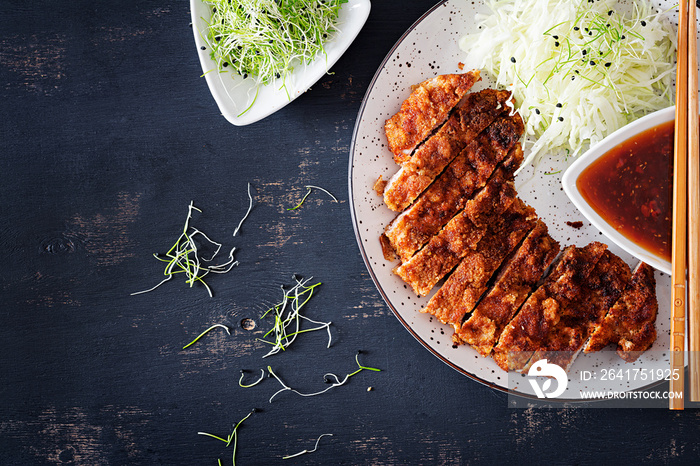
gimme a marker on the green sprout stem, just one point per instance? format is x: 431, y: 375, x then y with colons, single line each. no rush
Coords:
x: 287, y: 318
x: 326, y: 377
x: 232, y: 437
x: 205, y: 332
x: 309, y: 188
x: 184, y: 255
x: 241, y: 384
x: 307, y: 451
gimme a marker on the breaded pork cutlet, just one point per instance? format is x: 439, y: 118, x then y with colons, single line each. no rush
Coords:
x: 538, y: 316
x: 472, y: 116
x: 577, y: 320
x: 411, y: 229
x: 461, y: 234
x: 470, y: 280
x: 426, y: 108
x: 512, y: 286
x: 630, y: 323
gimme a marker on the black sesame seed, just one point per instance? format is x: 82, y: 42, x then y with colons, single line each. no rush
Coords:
x: 225, y: 64
x: 623, y: 37
x: 573, y: 77
x: 556, y: 44
x: 555, y: 37
x: 584, y: 52
x: 607, y: 65
x: 203, y: 47
x: 592, y: 63
x: 245, y: 75
x: 576, y: 28
x: 512, y: 59
x: 643, y: 23
x: 558, y: 105
x: 537, y: 111
x: 610, y: 13
x: 561, y: 118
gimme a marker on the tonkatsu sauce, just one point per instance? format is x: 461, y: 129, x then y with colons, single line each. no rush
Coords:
x: 631, y: 187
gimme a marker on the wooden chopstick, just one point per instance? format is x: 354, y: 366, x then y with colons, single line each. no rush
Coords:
x: 679, y: 237
x: 693, y: 210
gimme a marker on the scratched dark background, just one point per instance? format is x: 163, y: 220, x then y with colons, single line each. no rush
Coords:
x: 107, y: 133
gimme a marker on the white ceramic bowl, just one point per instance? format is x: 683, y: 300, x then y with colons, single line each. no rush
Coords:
x: 234, y: 95
x: 595, y: 152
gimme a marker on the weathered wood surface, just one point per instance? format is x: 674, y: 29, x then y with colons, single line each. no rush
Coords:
x: 107, y: 133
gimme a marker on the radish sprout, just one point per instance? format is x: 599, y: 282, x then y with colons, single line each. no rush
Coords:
x: 308, y: 191
x: 287, y: 314
x: 326, y: 377
x: 205, y: 332
x: 233, y: 436
x: 240, y: 381
x: 307, y: 451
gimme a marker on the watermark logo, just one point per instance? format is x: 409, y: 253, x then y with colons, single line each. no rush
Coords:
x: 542, y: 368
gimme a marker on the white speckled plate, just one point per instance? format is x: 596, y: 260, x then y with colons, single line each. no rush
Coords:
x: 427, y: 49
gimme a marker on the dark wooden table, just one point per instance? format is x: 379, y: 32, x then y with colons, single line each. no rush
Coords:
x: 107, y: 133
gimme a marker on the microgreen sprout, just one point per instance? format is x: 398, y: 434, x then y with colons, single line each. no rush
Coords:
x: 185, y: 257
x: 232, y: 437
x: 265, y: 39
x: 241, y: 384
x: 205, y: 332
x: 331, y: 378
x: 307, y: 451
x: 309, y: 188
x: 287, y: 317
x: 250, y: 207
x: 308, y: 191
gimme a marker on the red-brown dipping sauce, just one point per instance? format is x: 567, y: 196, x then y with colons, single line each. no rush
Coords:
x: 631, y: 187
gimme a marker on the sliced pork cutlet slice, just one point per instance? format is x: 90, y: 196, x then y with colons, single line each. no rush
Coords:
x: 473, y: 115
x: 631, y: 322
x: 470, y: 280
x: 579, y: 318
x: 513, y: 284
x: 411, y: 229
x: 425, y: 109
x: 461, y: 234
x: 528, y: 330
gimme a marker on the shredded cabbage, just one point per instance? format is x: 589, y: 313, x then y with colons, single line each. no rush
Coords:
x: 578, y: 69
